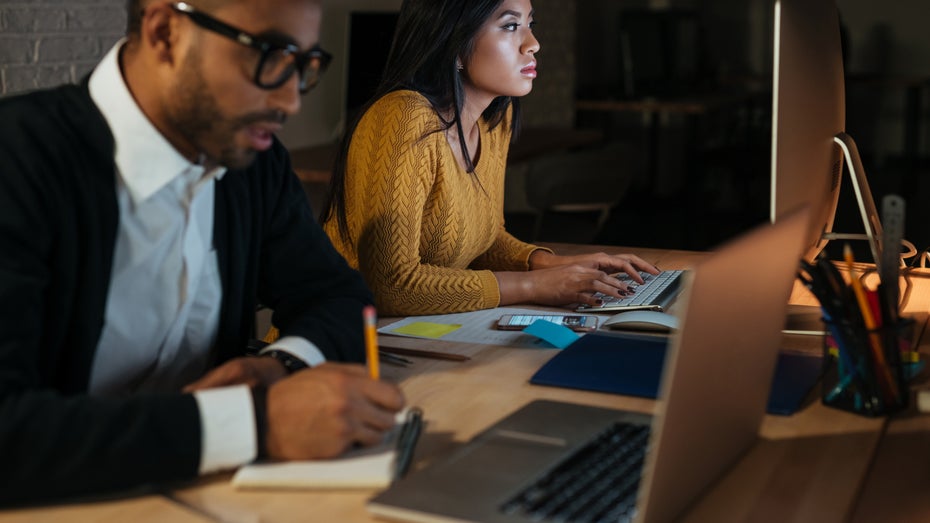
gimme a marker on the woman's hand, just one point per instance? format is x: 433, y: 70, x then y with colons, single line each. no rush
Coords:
x: 559, y: 286
x: 571, y: 280
x: 609, y: 263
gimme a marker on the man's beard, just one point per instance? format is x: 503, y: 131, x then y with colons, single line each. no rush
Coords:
x: 195, y: 115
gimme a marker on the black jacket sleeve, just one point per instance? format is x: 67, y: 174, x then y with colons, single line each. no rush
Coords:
x: 264, y: 221
x: 58, y: 216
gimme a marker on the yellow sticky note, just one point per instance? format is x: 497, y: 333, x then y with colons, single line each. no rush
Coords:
x: 425, y: 329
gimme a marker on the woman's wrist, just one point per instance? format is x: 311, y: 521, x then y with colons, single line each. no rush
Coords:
x: 541, y: 259
x: 515, y: 287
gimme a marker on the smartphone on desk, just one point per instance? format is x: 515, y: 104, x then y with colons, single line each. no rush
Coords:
x: 575, y: 322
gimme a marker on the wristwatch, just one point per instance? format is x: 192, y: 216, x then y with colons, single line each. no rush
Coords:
x: 291, y: 363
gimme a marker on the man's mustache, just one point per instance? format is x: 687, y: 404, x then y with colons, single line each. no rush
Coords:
x: 276, y: 117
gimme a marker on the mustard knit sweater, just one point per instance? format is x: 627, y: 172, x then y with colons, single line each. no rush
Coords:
x: 426, y: 234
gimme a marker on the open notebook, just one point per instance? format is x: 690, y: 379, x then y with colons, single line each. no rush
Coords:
x: 713, y: 396
x: 370, y: 467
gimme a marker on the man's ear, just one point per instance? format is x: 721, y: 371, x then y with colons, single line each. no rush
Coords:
x: 160, y: 32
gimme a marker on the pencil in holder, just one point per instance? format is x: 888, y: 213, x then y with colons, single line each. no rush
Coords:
x: 864, y: 369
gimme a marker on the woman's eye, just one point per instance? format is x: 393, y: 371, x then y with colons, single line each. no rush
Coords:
x: 511, y: 27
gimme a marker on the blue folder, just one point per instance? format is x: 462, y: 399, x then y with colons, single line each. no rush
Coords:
x: 632, y: 365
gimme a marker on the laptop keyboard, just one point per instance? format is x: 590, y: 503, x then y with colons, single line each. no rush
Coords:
x: 598, y: 482
x: 655, y: 290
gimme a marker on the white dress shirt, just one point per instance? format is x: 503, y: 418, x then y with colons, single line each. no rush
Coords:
x: 165, y: 294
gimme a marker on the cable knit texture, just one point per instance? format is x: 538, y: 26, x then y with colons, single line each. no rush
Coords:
x: 426, y: 234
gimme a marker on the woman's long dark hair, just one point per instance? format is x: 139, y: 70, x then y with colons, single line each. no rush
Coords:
x: 432, y: 37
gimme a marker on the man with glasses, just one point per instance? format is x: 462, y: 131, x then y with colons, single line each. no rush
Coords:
x: 143, y: 216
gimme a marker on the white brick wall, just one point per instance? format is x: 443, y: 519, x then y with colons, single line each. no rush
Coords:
x: 44, y: 43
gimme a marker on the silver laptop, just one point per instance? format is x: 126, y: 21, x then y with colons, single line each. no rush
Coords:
x: 713, y: 396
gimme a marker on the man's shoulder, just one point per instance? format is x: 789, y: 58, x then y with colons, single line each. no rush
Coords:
x: 67, y: 110
x: 43, y: 101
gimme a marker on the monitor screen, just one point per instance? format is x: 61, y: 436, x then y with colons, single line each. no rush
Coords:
x: 808, y: 111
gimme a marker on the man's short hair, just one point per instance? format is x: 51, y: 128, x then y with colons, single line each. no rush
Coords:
x: 134, y: 9
x: 134, y: 16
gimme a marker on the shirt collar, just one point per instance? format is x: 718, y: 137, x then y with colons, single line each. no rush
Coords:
x: 145, y: 159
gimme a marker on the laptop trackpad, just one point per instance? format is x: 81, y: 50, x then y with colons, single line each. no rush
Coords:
x: 500, y: 461
x: 498, y: 464
x: 474, y: 482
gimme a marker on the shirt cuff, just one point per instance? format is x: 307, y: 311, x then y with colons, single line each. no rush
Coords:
x: 227, y: 421
x: 299, y: 348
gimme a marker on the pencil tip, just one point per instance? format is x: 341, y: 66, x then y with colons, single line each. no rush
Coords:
x: 847, y: 253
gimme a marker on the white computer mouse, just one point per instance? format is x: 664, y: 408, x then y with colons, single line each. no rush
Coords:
x: 649, y: 321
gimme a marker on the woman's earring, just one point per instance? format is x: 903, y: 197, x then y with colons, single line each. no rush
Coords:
x: 459, y: 66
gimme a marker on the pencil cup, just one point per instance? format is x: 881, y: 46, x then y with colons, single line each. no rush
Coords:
x: 864, y: 369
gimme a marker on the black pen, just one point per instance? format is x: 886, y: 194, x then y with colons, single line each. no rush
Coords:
x: 393, y: 359
x: 407, y: 441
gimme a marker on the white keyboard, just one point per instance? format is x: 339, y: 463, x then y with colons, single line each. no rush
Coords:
x: 656, y: 292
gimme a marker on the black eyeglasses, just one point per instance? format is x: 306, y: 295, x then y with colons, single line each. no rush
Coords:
x: 278, y: 61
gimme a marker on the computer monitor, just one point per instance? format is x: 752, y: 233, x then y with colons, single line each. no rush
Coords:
x: 809, y: 142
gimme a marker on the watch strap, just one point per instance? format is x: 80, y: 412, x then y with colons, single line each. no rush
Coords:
x: 291, y: 363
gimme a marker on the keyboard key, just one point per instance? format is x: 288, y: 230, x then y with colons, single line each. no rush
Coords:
x: 656, y: 289
x: 597, y: 482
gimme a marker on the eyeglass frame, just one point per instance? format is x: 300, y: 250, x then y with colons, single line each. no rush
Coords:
x: 301, y: 60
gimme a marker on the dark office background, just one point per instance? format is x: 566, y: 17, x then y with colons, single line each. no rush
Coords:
x: 707, y: 176
x: 686, y: 181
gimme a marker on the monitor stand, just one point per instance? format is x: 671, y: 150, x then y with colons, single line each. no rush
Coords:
x: 805, y: 319
x: 871, y: 221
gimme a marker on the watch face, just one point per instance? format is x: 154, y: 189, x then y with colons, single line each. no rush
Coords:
x: 290, y: 362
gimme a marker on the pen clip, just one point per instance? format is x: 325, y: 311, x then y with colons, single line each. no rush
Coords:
x: 407, y: 441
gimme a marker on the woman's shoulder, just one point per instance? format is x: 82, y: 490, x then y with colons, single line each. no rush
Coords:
x: 408, y: 111
x: 402, y: 101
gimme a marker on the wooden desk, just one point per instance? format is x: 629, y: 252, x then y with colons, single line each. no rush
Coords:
x: 314, y: 164
x: 899, y: 480
x: 147, y: 509
x: 806, y: 467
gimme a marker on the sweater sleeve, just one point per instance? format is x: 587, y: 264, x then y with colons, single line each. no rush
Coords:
x: 507, y: 254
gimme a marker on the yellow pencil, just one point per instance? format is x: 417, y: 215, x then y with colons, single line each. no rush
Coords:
x: 876, y: 341
x: 371, y: 341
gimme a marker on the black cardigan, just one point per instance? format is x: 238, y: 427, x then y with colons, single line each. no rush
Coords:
x: 58, y: 222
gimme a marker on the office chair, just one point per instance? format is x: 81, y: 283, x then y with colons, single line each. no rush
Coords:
x: 585, y: 181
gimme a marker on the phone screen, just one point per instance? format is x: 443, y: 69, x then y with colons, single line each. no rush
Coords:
x: 566, y: 320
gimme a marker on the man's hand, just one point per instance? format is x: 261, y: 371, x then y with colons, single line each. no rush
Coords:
x: 250, y: 371
x: 322, y: 411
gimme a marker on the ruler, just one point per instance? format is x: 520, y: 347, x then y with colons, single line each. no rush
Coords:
x: 889, y: 267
